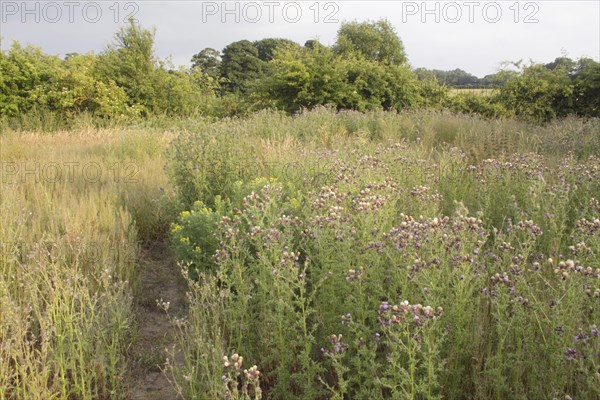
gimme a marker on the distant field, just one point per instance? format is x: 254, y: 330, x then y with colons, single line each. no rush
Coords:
x: 472, y: 91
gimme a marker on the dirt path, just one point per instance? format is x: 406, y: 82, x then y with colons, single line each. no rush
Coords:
x: 160, y: 279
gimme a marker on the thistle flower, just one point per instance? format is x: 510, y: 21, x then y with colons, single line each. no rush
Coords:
x: 396, y: 314
x: 384, y: 306
x: 355, y: 275
x: 338, y: 346
x: 570, y: 353
x: 582, y: 336
x: 252, y: 374
x: 346, y: 319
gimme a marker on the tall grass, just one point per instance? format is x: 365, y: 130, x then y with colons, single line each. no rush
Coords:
x: 340, y: 255
x: 74, y: 208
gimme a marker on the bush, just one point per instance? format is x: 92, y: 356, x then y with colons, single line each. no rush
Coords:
x: 486, y: 106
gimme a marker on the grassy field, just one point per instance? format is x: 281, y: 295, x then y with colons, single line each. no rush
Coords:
x: 485, y: 92
x: 326, y: 256
x: 74, y: 207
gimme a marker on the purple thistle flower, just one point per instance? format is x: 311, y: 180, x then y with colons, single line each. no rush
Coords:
x: 582, y: 336
x: 595, y: 332
x: 559, y: 329
x: 570, y: 353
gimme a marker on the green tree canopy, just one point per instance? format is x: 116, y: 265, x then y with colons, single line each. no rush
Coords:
x: 208, y: 61
x: 266, y: 47
x: 22, y: 70
x: 307, y: 77
x: 240, y: 65
x: 312, y: 43
x: 376, y: 41
x: 586, y: 91
x: 454, y: 78
x: 301, y: 77
x: 131, y: 63
x: 561, y: 62
x: 538, y: 93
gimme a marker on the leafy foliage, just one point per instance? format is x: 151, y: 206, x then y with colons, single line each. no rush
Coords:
x: 366, y: 69
x: 208, y: 61
x: 375, y: 41
x: 587, y: 86
x: 240, y: 65
x: 538, y: 94
x: 308, y: 77
x: 266, y: 47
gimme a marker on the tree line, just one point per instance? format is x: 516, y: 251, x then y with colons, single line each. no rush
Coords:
x: 365, y: 69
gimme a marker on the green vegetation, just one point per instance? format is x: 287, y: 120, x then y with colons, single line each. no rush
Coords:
x: 347, y: 228
x: 74, y: 210
x: 365, y: 256
x: 366, y: 69
x: 309, y: 232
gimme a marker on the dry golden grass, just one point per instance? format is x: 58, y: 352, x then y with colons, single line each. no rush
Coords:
x: 472, y: 91
x: 68, y: 258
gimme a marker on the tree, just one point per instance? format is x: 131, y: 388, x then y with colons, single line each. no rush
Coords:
x: 182, y: 92
x: 561, y: 62
x: 455, y: 78
x: 498, y: 79
x: 376, y: 41
x: 267, y: 47
x: 538, y: 94
x: 308, y: 77
x: 75, y: 88
x: 240, y: 65
x: 208, y: 61
x: 372, y: 86
x: 152, y: 86
x: 303, y: 78
x: 312, y: 44
x: 23, y: 71
x: 131, y: 63
x: 30, y: 80
x: 586, y: 89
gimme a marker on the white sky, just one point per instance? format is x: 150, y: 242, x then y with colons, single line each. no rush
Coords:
x: 484, y: 33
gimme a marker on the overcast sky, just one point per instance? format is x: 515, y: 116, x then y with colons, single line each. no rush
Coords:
x: 472, y: 35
